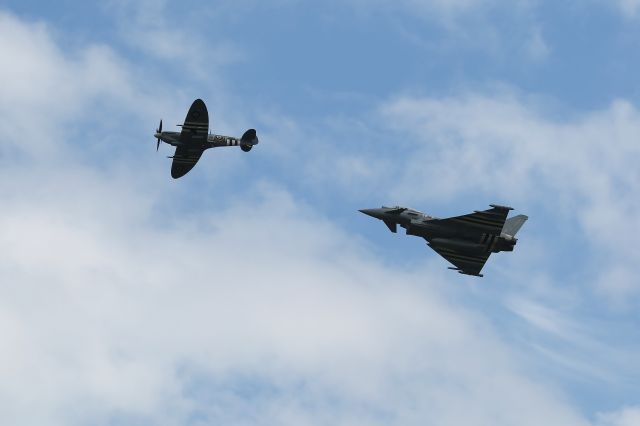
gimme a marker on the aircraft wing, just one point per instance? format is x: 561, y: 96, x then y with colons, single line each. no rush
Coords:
x: 479, y: 222
x: 465, y: 263
x: 196, y: 124
x: 184, y: 159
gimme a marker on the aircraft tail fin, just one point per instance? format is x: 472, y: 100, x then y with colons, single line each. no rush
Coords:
x: 513, y: 224
x: 248, y: 140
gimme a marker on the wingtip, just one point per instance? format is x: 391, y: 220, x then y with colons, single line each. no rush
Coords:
x: 460, y: 271
x: 498, y: 206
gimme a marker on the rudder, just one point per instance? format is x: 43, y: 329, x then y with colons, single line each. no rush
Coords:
x: 248, y: 140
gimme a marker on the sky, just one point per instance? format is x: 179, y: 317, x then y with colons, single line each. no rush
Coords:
x: 252, y: 291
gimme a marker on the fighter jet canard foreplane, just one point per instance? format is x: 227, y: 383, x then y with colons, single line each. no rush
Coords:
x: 465, y: 241
x: 195, y: 138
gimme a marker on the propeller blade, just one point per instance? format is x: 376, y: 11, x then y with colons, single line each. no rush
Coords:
x: 158, y: 131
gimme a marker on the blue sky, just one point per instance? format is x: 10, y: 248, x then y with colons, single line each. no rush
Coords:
x: 251, y: 291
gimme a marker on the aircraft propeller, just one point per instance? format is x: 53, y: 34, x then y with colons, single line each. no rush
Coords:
x: 158, y: 131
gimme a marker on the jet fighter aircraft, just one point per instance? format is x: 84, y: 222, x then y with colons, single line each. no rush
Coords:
x: 465, y: 241
x: 194, y: 138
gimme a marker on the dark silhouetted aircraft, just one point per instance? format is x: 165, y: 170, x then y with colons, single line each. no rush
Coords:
x: 465, y: 241
x: 195, y: 138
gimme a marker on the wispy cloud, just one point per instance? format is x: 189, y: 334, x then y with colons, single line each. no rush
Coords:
x: 537, y: 47
x: 37, y: 73
x: 491, y: 26
x: 580, y: 345
x: 150, y: 28
x: 626, y: 417
x: 629, y: 8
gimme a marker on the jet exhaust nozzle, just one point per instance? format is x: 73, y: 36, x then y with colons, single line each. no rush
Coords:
x: 248, y: 140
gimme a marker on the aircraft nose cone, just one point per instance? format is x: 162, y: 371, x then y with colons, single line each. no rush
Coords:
x: 377, y: 213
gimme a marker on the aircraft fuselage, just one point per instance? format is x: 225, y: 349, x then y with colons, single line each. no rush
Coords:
x: 211, y: 141
x: 440, y: 233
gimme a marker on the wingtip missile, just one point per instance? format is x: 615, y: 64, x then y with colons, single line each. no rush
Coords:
x: 498, y: 206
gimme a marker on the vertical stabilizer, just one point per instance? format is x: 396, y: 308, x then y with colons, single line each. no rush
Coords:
x: 513, y: 224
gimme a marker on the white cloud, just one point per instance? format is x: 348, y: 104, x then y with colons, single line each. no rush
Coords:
x: 148, y: 26
x: 627, y: 417
x: 446, y: 9
x: 503, y: 30
x: 537, y: 48
x: 114, y: 316
x: 629, y: 8
x: 578, y: 346
x: 34, y: 72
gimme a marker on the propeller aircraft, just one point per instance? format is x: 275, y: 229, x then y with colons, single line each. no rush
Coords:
x: 195, y: 138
